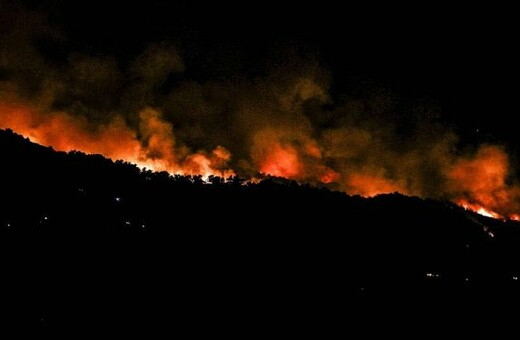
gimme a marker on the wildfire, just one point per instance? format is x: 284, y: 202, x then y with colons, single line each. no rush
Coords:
x: 329, y: 176
x: 280, y: 121
x: 482, y: 177
x: 281, y: 161
x: 115, y: 140
x: 371, y: 185
x: 479, y: 209
x: 514, y: 217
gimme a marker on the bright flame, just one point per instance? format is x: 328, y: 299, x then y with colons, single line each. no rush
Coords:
x: 514, y: 217
x: 158, y: 152
x: 284, y: 122
x: 478, y: 209
x: 477, y: 182
x: 480, y: 182
x: 281, y: 161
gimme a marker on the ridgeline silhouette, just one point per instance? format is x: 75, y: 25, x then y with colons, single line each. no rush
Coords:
x: 89, y: 243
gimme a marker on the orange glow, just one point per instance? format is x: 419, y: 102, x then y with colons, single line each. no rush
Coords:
x: 330, y: 176
x: 286, y: 119
x: 281, y: 161
x: 478, y: 182
x: 478, y: 209
x: 369, y: 185
x: 313, y: 150
x: 514, y: 217
x: 115, y: 140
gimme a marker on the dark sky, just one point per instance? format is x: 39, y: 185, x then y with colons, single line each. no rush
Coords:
x: 462, y: 57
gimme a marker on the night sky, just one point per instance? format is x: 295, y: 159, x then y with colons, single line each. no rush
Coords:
x: 437, y: 45
x: 462, y: 58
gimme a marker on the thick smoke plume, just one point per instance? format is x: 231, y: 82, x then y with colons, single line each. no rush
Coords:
x: 283, y: 123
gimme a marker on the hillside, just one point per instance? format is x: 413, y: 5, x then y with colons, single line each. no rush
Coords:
x: 88, y: 243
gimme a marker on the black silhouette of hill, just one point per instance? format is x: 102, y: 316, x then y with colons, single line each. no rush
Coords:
x: 88, y: 243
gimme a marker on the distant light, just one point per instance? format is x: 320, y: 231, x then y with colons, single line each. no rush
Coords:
x: 491, y: 234
x: 467, y: 245
x: 8, y: 224
x: 466, y: 279
x: 143, y: 226
x: 432, y: 275
x: 515, y: 278
x: 118, y: 199
x: 45, y: 218
x: 127, y: 222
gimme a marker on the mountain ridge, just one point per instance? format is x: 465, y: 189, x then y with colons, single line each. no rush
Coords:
x: 91, y: 232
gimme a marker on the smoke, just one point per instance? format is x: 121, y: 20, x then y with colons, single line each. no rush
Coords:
x: 483, y: 177
x: 284, y: 122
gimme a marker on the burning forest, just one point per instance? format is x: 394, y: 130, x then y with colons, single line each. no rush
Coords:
x: 285, y: 121
x: 255, y: 167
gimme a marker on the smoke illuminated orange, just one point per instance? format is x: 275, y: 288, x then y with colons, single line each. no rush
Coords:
x: 282, y: 162
x: 146, y: 106
x: 369, y: 185
x: 329, y: 176
x: 478, y: 181
x: 116, y: 140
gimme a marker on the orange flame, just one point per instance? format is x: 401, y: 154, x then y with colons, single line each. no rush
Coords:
x: 116, y: 140
x: 478, y: 209
x: 281, y: 161
x: 284, y: 123
x: 514, y: 217
x: 480, y: 182
x: 477, y: 182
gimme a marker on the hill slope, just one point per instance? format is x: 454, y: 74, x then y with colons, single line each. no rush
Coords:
x: 89, y: 243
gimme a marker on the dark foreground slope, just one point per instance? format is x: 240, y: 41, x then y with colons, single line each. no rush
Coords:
x: 86, y: 243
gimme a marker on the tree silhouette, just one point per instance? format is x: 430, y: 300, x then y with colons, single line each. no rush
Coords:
x: 87, y: 242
